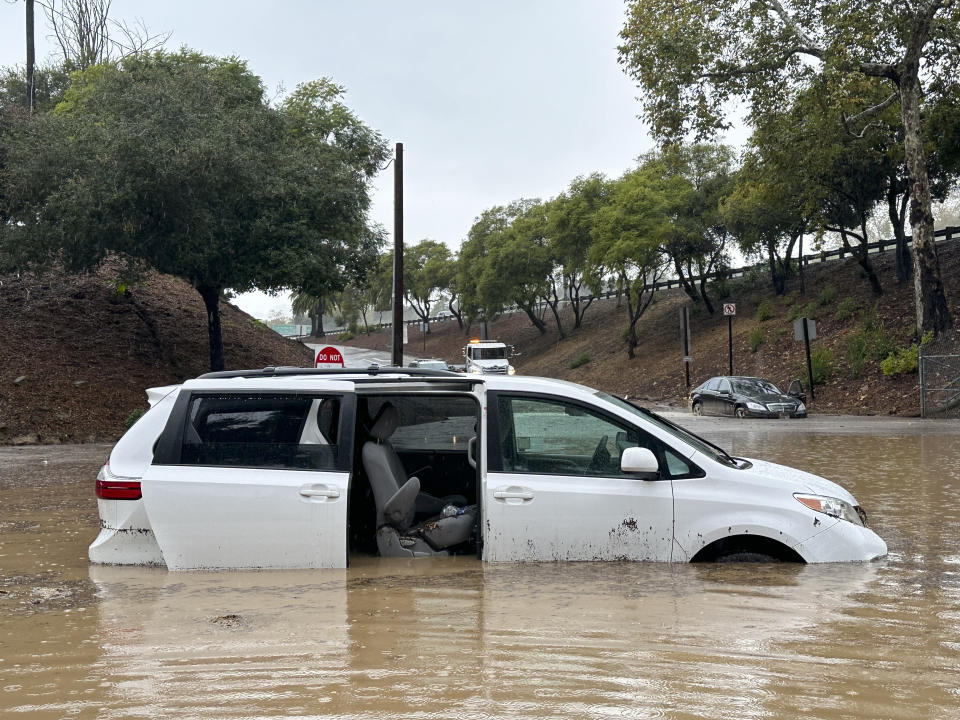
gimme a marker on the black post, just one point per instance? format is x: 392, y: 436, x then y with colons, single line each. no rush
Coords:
x: 31, y: 82
x: 806, y: 342
x: 730, y: 339
x: 685, y: 341
x: 396, y: 356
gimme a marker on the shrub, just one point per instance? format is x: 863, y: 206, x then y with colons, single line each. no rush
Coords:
x: 847, y: 308
x: 344, y: 336
x: 579, y: 360
x: 133, y: 417
x: 869, y: 343
x: 821, y: 363
x: 794, y: 311
x: 810, y: 310
x: 827, y: 295
x: 777, y: 334
x: 903, y: 361
x: 764, y: 311
x: 755, y: 339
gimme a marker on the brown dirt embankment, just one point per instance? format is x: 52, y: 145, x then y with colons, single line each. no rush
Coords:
x: 76, y: 354
x: 656, y: 373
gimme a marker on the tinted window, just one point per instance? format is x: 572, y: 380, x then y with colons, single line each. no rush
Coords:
x: 488, y: 353
x: 724, y: 385
x: 260, y: 430
x: 714, y: 384
x: 430, y: 422
x: 554, y: 437
x: 755, y: 386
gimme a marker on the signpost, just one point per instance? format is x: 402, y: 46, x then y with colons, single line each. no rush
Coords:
x: 806, y: 330
x: 685, y: 341
x: 730, y: 309
x: 329, y: 357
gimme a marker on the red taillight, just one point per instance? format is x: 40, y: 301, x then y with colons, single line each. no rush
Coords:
x: 118, y: 489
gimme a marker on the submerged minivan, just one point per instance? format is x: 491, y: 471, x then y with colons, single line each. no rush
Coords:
x: 296, y: 468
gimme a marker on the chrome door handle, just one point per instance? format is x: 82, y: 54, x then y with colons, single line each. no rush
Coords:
x: 319, y: 491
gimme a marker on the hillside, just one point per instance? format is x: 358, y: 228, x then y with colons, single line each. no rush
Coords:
x: 76, y: 355
x: 833, y: 289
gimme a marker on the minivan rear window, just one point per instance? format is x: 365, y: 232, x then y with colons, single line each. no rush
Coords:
x: 288, y: 431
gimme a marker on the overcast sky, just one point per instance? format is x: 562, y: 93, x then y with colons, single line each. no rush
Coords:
x: 493, y: 100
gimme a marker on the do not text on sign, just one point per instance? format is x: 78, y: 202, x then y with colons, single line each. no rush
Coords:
x: 329, y: 357
x: 729, y: 309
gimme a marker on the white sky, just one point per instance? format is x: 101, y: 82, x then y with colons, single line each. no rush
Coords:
x: 493, y: 100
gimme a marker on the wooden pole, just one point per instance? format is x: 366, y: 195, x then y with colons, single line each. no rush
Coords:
x: 396, y: 356
x: 31, y: 59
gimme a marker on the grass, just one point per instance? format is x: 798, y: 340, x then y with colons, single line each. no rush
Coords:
x: 846, y: 309
x: 870, y: 343
x: 755, y: 339
x: 764, y: 311
x: 822, y: 364
x: 827, y: 296
x: 579, y: 361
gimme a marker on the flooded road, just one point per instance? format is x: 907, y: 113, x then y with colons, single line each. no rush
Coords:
x: 454, y: 638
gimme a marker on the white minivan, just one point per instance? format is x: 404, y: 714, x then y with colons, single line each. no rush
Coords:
x: 294, y: 468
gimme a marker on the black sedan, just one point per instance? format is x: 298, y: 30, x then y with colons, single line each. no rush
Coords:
x: 745, y: 397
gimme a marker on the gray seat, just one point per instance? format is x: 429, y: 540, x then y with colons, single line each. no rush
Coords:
x: 395, y: 497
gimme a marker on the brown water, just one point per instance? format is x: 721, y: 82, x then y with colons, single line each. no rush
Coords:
x: 454, y: 638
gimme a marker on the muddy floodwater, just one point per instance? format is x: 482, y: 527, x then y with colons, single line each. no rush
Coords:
x: 452, y: 638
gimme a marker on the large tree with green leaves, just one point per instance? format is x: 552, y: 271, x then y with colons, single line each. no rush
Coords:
x: 693, y: 58
x: 628, y: 238
x: 179, y: 161
x: 425, y: 269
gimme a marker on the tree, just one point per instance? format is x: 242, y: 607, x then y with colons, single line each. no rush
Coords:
x: 572, y: 215
x: 425, y: 267
x: 628, y: 238
x: 87, y: 35
x: 766, y: 212
x: 692, y: 58
x: 696, y: 179
x: 177, y: 160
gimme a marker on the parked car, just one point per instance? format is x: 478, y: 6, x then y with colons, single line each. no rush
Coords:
x: 746, y: 397
x: 443, y: 315
x: 429, y: 363
x: 299, y: 468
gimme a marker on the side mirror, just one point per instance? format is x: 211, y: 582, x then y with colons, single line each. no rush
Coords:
x: 641, y: 462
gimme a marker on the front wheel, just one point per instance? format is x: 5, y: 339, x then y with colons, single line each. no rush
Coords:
x: 746, y: 557
x: 741, y: 412
x: 697, y: 408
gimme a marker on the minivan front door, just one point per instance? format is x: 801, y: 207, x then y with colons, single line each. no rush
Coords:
x: 554, y: 490
x: 253, y: 479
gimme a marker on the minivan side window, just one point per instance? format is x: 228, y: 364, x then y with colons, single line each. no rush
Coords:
x: 259, y: 430
x: 554, y: 437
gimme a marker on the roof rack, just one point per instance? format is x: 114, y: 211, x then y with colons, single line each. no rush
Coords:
x: 373, y: 370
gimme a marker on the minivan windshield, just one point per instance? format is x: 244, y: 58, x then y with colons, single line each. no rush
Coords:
x: 714, y: 452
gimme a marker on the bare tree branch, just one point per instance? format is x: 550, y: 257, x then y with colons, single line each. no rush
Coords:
x: 849, y: 121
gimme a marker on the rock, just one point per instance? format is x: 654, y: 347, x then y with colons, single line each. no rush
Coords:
x: 79, y: 383
x: 20, y: 380
x: 30, y: 439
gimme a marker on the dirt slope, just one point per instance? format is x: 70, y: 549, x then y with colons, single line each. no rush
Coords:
x: 656, y: 374
x: 76, y: 355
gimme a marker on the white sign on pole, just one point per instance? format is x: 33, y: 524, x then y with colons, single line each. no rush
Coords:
x: 406, y: 334
x: 798, y: 329
x: 729, y: 309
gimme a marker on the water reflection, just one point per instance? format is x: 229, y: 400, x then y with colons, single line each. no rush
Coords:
x: 455, y: 638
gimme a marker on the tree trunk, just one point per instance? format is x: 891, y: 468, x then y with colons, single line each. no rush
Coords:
x: 211, y: 301
x: 456, y: 313
x: 931, y: 301
x: 863, y: 258
x: 31, y: 80
x: 537, y: 322
x: 896, y: 211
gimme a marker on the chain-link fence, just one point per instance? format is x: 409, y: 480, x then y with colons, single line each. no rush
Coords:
x: 940, y: 378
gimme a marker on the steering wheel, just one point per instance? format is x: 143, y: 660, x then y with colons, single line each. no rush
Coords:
x: 601, y: 456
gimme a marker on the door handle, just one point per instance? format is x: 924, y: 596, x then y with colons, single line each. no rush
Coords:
x: 319, y: 491
x: 472, y: 452
x: 513, y: 493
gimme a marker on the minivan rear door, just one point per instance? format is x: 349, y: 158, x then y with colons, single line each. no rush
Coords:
x: 253, y: 478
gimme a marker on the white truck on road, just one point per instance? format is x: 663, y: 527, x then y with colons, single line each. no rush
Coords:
x: 488, y: 357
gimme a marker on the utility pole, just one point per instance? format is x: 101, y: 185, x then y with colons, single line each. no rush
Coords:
x: 31, y: 83
x: 396, y: 356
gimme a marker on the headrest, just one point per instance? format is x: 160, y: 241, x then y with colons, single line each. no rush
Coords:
x: 387, y: 420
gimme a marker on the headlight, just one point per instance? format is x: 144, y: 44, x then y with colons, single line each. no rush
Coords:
x: 834, y: 507
x: 511, y: 370
x: 801, y: 407
x: 756, y: 406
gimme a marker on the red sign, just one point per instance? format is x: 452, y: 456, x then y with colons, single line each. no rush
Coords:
x: 729, y: 309
x: 329, y: 356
